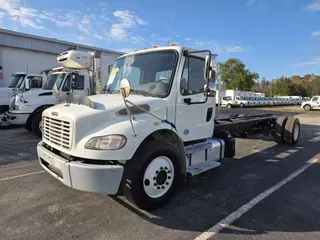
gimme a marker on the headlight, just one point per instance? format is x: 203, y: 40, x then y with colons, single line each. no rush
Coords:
x: 110, y: 142
x: 23, y: 107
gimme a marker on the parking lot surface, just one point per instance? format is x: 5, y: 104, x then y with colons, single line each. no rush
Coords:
x: 34, y: 205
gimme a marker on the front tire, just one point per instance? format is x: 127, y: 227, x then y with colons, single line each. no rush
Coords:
x: 229, y: 106
x: 36, y: 124
x: 241, y: 105
x: 307, y: 107
x: 152, y: 175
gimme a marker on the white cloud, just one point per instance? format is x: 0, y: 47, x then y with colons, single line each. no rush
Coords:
x: 2, y: 14
x: 314, y: 61
x: 85, y: 24
x: 251, y: 1
x: 315, y: 33
x: 97, y: 36
x: 215, y: 47
x: 315, y: 6
x: 24, y: 16
x: 126, y: 50
x: 128, y: 20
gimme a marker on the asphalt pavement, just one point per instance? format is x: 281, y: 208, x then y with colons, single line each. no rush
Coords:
x: 34, y: 205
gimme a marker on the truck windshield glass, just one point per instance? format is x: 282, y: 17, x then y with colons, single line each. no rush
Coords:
x: 149, y: 73
x: 54, y: 79
x: 17, y: 80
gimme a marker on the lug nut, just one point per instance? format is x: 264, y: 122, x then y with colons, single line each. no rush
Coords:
x: 161, y: 168
x: 168, y: 171
x: 154, y: 178
x: 167, y: 183
x: 155, y: 184
x: 158, y: 187
x: 162, y: 187
x: 169, y: 177
x: 157, y: 172
x: 165, y: 168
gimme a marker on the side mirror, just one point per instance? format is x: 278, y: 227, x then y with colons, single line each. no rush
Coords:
x: 207, y: 68
x: 110, y: 68
x: 73, y: 82
x: 125, y: 87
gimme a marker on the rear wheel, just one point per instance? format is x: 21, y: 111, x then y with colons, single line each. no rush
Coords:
x: 292, y: 131
x: 279, y: 130
x: 152, y: 175
x: 36, y: 124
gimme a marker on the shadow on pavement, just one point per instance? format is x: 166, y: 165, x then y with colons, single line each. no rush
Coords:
x: 208, y: 198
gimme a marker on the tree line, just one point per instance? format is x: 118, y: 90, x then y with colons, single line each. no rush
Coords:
x: 234, y: 75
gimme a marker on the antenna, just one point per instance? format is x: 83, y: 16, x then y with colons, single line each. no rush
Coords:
x: 170, y: 26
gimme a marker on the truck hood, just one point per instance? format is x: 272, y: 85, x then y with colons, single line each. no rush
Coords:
x: 108, y: 109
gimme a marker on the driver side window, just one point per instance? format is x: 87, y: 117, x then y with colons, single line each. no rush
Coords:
x: 192, y: 80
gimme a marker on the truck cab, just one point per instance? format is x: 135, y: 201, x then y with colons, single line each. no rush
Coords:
x: 153, y: 122
x: 313, y: 104
x: 21, y: 81
x: 228, y: 102
x: 242, y: 101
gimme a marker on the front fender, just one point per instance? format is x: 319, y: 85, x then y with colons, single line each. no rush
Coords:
x: 142, y: 128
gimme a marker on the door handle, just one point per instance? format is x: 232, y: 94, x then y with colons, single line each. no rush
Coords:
x: 67, y: 93
x: 187, y: 101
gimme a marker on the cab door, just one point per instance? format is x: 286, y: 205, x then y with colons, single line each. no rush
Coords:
x: 194, y: 114
x: 76, y: 85
x: 315, y: 104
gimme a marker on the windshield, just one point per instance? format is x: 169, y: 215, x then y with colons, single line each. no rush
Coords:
x: 17, y: 80
x: 54, y: 78
x: 148, y: 73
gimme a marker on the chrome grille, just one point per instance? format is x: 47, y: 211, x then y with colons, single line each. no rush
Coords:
x: 58, y: 132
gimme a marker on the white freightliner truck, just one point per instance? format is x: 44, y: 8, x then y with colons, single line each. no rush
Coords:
x: 22, y: 81
x: 154, y: 123
x: 79, y: 76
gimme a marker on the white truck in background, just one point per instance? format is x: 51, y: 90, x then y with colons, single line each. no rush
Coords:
x: 154, y: 124
x: 79, y: 76
x: 312, y: 104
x: 21, y: 82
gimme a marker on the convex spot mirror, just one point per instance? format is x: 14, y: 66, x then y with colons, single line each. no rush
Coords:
x: 207, y: 68
x: 125, y: 87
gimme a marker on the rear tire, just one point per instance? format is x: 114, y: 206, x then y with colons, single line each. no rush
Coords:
x: 152, y: 175
x: 36, y: 122
x: 292, y: 131
x: 279, y: 130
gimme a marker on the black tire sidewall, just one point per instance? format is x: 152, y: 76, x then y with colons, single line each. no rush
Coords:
x: 35, y: 124
x: 289, y: 131
x: 279, y: 129
x: 142, y: 160
x: 305, y: 107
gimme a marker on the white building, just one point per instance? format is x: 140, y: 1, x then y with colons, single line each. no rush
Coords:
x: 20, y: 52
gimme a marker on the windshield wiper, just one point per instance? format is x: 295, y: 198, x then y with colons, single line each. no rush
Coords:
x: 143, y: 93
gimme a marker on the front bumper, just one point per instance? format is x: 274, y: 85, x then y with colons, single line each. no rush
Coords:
x: 81, y: 176
x: 17, y: 118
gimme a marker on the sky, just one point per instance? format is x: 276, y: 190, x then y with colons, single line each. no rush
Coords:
x: 271, y: 37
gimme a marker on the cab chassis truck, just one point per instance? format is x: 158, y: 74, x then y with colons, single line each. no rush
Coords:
x: 145, y: 132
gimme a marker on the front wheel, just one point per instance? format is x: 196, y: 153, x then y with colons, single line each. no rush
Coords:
x: 36, y: 124
x: 229, y: 106
x: 241, y: 105
x: 307, y: 107
x: 152, y: 175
